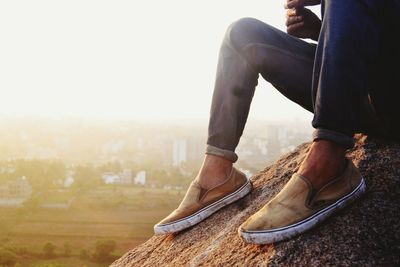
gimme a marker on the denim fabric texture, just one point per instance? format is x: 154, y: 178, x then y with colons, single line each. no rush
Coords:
x: 345, y: 80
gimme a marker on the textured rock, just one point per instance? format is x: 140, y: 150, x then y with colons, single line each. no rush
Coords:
x: 367, y: 233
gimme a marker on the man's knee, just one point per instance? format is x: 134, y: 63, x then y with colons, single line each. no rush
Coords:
x: 243, y: 31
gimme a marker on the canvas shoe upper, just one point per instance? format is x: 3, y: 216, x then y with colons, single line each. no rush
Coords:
x: 199, y: 203
x: 298, y: 207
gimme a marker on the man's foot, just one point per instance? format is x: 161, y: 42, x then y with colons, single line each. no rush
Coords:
x: 323, y: 162
x: 201, y: 200
x: 299, y: 207
x: 213, y: 171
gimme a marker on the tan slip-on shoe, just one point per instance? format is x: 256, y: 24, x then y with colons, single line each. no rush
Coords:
x: 200, y: 203
x: 298, y: 207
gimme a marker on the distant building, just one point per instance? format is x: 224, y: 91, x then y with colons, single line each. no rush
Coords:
x: 195, y: 148
x: 125, y: 177
x: 15, y: 193
x: 262, y: 145
x: 187, y: 149
x: 140, y: 178
x: 179, y: 151
x: 110, y: 178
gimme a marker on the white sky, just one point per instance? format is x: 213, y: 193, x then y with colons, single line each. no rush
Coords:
x: 124, y: 59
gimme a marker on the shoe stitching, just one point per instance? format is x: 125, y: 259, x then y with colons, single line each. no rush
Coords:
x: 333, y: 181
x: 339, y: 177
x: 200, y: 199
x: 311, y: 190
x: 203, y: 192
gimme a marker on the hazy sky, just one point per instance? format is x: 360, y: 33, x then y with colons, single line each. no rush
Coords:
x: 124, y: 59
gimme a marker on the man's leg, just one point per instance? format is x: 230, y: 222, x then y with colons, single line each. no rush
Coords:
x: 346, y: 56
x: 251, y: 47
x: 326, y: 181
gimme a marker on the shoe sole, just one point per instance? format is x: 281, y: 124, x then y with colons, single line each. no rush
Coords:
x: 205, y: 212
x: 287, y: 232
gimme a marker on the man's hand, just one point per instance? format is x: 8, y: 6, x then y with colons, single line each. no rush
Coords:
x: 302, y: 23
x: 301, y: 3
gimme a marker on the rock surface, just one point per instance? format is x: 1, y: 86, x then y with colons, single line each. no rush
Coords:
x: 367, y: 233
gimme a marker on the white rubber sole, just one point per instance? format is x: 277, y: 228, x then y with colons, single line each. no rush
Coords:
x: 205, y: 212
x: 287, y: 232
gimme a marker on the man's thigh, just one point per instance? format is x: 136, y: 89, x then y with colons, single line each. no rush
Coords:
x: 286, y: 62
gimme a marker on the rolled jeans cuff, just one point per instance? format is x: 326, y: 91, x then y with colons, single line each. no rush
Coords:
x: 227, y: 154
x: 337, y: 137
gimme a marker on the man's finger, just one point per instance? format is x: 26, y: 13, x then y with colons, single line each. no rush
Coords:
x: 293, y: 20
x: 291, y: 29
x: 291, y: 12
x: 293, y: 4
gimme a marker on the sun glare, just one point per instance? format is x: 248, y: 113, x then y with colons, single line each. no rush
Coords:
x: 125, y: 59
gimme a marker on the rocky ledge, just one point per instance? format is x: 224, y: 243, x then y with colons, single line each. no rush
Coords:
x: 367, y: 233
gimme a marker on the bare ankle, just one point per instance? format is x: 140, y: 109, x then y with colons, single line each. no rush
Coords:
x: 214, y: 170
x: 325, y: 161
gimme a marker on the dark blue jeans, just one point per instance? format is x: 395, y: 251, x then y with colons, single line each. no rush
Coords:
x: 347, y: 80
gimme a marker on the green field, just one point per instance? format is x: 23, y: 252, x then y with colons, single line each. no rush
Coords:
x: 125, y: 215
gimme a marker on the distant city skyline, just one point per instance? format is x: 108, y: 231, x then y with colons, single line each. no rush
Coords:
x: 147, y: 60
x: 172, y: 143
